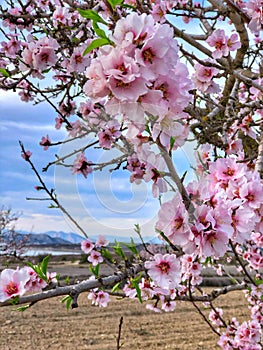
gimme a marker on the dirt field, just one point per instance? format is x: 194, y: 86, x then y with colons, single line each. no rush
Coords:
x: 48, y: 325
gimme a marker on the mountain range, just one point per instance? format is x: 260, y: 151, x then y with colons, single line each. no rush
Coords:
x: 54, y: 238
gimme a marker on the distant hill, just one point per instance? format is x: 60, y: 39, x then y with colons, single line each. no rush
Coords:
x: 67, y: 236
x: 36, y: 239
x: 61, y: 237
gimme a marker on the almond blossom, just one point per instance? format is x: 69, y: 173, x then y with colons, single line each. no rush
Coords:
x: 222, y: 43
x: 45, y: 142
x: 99, y: 298
x: 13, y: 283
x: 95, y: 258
x: 82, y: 166
x: 164, y: 270
x: 87, y: 246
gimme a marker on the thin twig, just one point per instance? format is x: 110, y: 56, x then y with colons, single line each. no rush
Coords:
x: 119, y: 345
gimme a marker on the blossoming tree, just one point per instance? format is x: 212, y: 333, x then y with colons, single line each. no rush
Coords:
x: 127, y: 73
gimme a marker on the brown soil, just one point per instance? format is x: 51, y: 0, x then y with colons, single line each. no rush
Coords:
x: 48, y: 325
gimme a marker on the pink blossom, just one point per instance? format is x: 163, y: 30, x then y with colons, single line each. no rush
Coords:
x: 203, y: 78
x: 77, y: 128
x: 95, y: 258
x: 109, y: 134
x: 222, y: 43
x: 59, y: 121
x: 252, y: 193
x: 87, y: 246
x: 78, y: 62
x: 96, y: 85
x: 213, y: 243
x: 243, y: 221
x: 26, y: 155
x: 153, y: 307
x: 43, y: 57
x: 86, y: 108
x: 233, y: 42
x: 129, y: 291
x: 254, y: 9
x: 101, y: 241
x: 12, y: 47
x: 215, y: 316
x: 247, y: 335
x: 168, y: 306
x: 67, y: 107
x: 45, y: 142
x: 35, y: 283
x: 39, y: 54
x: 99, y: 298
x: 164, y: 270
x: 173, y: 221
x: 61, y: 16
x: 132, y: 30
x: 137, y: 168
x: 204, y: 73
x: 12, y: 283
x: 159, y: 54
x: 191, y: 268
x: 82, y: 165
x: 218, y: 40
x: 226, y: 169
x: 154, y: 166
x: 147, y: 289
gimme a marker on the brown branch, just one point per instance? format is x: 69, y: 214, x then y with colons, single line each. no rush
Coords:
x: 79, y: 288
x: 119, y: 334
x: 175, y: 177
x: 201, y: 313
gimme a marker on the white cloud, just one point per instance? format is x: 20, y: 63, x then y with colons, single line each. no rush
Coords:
x: 7, y: 125
x: 42, y: 223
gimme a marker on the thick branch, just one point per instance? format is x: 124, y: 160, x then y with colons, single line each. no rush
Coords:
x: 79, y: 288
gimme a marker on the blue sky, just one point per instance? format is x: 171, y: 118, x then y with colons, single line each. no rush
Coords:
x: 104, y: 203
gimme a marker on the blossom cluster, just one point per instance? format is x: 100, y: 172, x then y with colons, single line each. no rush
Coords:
x: 141, y: 72
x: 15, y: 283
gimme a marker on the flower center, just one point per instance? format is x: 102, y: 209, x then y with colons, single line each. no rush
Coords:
x: 11, y: 288
x: 178, y: 222
x: 148, y: 55
x: 164, y: 266
x: 229, y: 171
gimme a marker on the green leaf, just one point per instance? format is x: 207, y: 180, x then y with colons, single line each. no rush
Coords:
x: 100, y: 32
x: 44, y: 264
x: 41, y: 269
x: 68, y: 300
x: 23, y: 308
x: 28, y: 263
x: 114, y: 3
x: 116, y: 287
x: 147, y: 129
x: 14, y: 301
x: 90, y: 14
x: 134, y: 283
x: 4, y: 72
x: 52, y: 206
x: 46, y: 70
x: 95, y: 44
x: 106, y: 254
x: 172, y: 141
x: 258, y: 282
x: 132, y: 247
x: 128, y: 6
x: 95, y: 270
x: 118, y: 250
